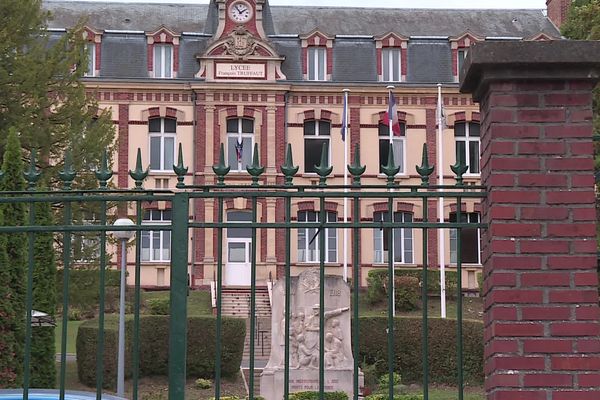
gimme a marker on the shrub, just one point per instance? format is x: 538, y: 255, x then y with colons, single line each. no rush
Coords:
x: 315, y: 396
x: 407, y: 293
x: 384, y: 380
x: 83, y: 290
x: 407, y: 348
x: 158, y: 306
x: 377, y: 283
x: 154, y: 347
x: 396, y: 397
x: 203, y: 383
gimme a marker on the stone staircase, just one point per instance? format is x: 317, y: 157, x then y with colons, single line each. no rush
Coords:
x: 235, y: 302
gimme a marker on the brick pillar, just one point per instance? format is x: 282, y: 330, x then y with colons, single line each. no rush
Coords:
x: 541, y: 287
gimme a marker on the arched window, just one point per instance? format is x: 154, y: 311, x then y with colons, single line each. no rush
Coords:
x: 397, y: 143
x: 163, y: 132
x: 316, y: 133
x: 240, y: 142
x: 466, y: 135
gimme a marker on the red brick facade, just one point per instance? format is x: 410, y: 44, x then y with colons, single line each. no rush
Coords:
x: 542, y: 329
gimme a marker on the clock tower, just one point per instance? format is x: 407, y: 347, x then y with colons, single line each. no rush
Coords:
x: 240, y: 49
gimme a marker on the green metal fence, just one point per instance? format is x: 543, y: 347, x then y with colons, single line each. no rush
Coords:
x: 179, y: 201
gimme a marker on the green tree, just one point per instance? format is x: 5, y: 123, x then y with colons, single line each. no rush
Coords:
x: 7, y: 318
x: 43, y: 351
x: 13, y: 276
x: 42, y: 94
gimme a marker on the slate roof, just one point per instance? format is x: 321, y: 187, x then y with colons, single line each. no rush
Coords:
x: 429, y: 55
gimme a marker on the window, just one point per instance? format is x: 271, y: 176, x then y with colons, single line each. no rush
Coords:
x: 90, y: 49
x: 397, y: 143
x: 391, y: 64
x: 308, y: 239
x: 240, y: 143
x: 316, y: 133
x: 317, y: 63
x: 163, y: 61
x: 470, y: 240
x: 403, y: 239
x: 466, y: 135
x: 86, y: 245
x: 156, y: 245
x: 162, y: 143
x: 462, y: 54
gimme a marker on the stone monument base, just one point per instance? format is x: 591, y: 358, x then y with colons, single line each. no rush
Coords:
x: 302, y: 380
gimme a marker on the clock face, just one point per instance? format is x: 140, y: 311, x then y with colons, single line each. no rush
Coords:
x: 240, y: 11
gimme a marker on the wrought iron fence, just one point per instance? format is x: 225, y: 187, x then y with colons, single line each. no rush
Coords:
x: 219, y: 192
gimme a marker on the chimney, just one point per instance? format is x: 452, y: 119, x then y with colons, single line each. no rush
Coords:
x: 557, y: 11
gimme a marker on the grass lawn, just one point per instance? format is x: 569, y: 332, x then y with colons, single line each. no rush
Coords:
x: 198, y: 301
x: 72, y: 327
x: 451, y: 394
x: 472, y: 308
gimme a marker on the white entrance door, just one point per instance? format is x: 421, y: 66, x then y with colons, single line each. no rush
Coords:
x: 238, y: 271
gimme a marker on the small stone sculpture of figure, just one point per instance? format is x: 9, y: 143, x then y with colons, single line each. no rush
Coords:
x: 334, y: 352
x: 312, y: 323
x: 306, y: 356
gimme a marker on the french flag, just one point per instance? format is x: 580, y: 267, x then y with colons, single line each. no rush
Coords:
x: 392, y: 115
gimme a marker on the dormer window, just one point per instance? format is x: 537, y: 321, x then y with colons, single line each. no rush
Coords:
x: 461, y: 55
x: 317, y: 63
x: 163, y: 61
x: 163, y: 53
x: 90, y: 49
x: 391, y: 64
x: 317, y: 58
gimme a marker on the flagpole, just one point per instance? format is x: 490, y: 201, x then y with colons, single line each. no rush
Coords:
x: 441, y: 236
x: 345, y: 139
x: 390, y: 251
x: 240, y: 143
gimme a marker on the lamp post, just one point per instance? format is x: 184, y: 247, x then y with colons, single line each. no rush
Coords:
x: 124, y: 236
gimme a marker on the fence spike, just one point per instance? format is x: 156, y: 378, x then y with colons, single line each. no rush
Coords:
x: 32, y: 175
x: 221, y: 169
x: 425, y: 169
x: 289, y: 169
x: 138, y: 174
x: 104, y: 173
x: 255, y: 169
x: 68, y: 174
x: 355, y: 169
x: 459, y: 169
x: 179, y: 169
x: 323, y: 169
x: 390, y: 169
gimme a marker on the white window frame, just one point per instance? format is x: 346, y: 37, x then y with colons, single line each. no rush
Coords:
x: 317, y: 51
x: 162, y: 135
x: 240, y: 167
x: 91, y: 53
x: 148, y: 252
x: 318, y: 135
x: 310, y: 252
x: 388, y: 59
x: 380, y: 256
x: 160, y: 60
x: 468, y: 139
x: 86, y: 240
x: 395, y: 140
x: 473, y: 217
x: 461, y: 55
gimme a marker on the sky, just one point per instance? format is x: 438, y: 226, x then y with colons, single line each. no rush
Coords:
x: 538, y: 4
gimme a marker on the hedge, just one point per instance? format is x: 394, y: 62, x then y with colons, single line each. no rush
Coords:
x: 315, y: 396
x: 377, y: 282
x: 407, y: 348
x: 154, y: 347
x: 84, y: 292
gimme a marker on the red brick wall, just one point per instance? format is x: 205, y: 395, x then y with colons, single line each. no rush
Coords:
x: 557, y: 10
x: 123, y: 161
x: 541, y: 287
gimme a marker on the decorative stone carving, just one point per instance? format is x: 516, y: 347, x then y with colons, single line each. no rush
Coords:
x: 304, y: 337
x: 240, y: 43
